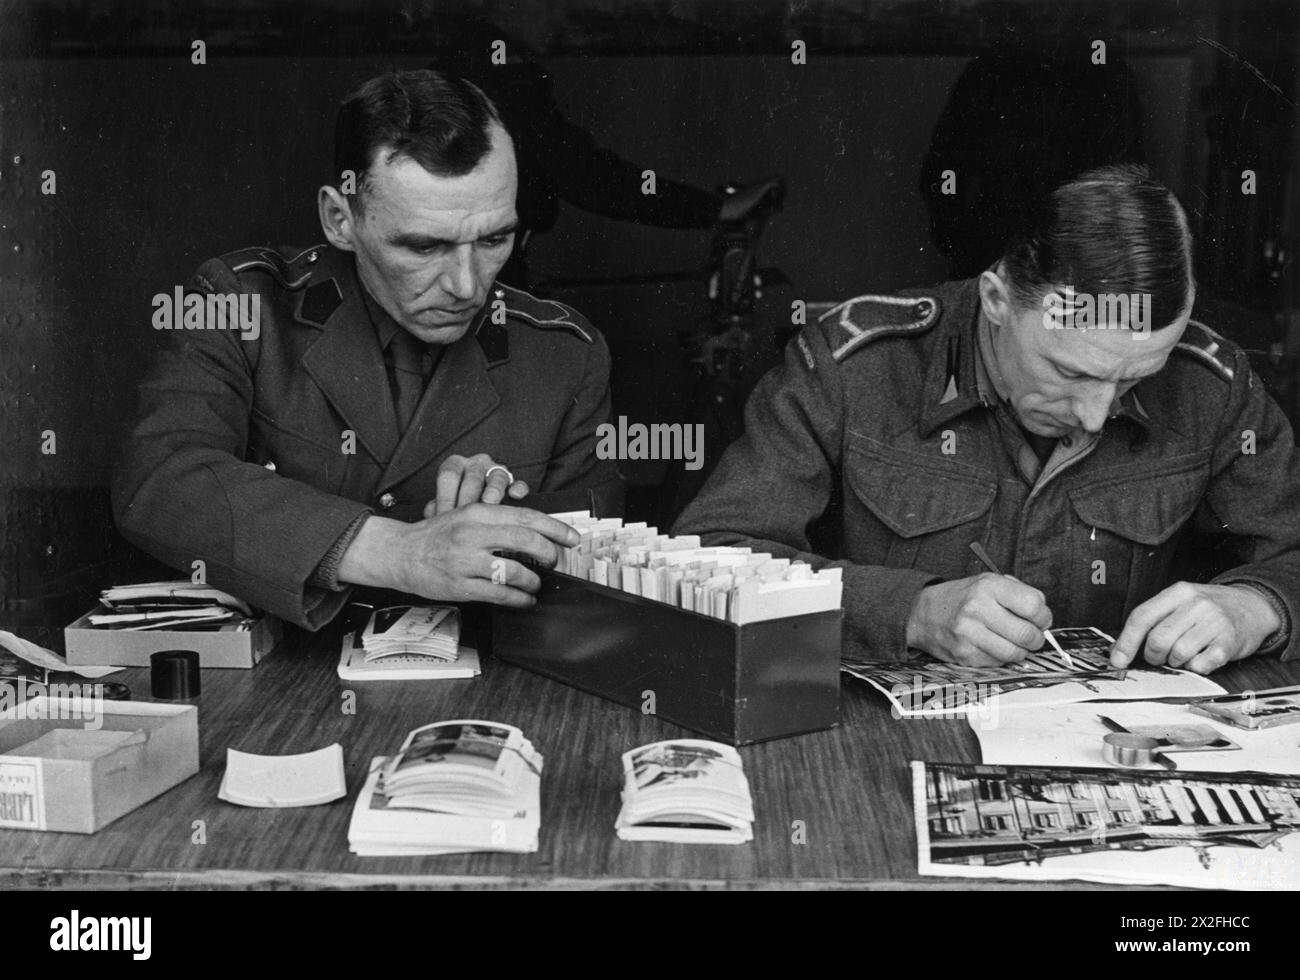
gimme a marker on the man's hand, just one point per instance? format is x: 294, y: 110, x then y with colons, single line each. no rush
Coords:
x: 450, y: 557
x: 980, y: 621
x: 1196, y: 627
x: 470, y: 480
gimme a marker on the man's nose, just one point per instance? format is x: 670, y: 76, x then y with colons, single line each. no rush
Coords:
x: 1093, y: 407
x: 457, y: 277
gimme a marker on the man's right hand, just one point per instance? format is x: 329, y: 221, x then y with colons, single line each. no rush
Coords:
x: 450, y: 557
x: 981, y: 621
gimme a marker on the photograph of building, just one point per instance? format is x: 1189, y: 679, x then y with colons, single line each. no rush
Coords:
x: 998, y: 815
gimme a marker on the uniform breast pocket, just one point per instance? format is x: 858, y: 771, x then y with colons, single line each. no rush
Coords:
x: 1126, y: 527
x: 297, y: 456
x: 906, y: 511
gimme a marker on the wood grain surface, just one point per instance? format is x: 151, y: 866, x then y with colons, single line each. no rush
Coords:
x: 850, y: 787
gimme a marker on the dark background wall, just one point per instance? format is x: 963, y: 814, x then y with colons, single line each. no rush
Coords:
x: 161, y: 164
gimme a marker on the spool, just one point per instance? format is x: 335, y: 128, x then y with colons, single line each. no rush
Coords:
x: 1129, y: 750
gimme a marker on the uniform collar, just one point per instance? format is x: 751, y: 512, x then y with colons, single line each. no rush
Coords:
x: 346, y: 363
x: 951, y: 384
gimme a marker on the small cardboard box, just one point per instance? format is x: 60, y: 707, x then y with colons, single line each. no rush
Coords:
x: 227, y: 647
x: 79, y: 777
x: 736, y: 684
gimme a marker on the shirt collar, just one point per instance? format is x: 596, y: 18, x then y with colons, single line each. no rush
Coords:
x: 386, y: 328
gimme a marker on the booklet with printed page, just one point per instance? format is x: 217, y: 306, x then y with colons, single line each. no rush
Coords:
x: 687, y: 791
x: 401, y: 643
x: 454, y: 786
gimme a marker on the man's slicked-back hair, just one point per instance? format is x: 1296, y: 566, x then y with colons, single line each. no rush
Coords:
x: 1110, y: 230
x: 442, y: 122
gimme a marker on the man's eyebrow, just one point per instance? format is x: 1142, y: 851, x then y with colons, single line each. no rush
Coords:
x: 415, y: 240
x: 501, y: 232
x: 1071, y: 369
x: 1066, y: 368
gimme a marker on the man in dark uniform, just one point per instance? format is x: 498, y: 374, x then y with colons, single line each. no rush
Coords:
x: 390, y: 394
x: 1077, y: 448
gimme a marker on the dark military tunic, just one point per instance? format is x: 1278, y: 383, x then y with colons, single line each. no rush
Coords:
x: 257, y: 455
x: 881, y: 446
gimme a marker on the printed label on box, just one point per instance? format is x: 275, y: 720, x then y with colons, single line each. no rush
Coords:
x: 22, y: 796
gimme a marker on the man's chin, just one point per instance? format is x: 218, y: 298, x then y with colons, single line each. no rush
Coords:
x: 438, y: 333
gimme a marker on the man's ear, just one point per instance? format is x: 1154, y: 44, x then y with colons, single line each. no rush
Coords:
x: 336, y: 218
x: 995, y: 297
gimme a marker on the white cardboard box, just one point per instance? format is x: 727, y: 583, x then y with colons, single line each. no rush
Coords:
x: 56, y: 790
x: 227, y: 647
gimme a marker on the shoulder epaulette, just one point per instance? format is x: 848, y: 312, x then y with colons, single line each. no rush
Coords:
x: 1206, y: 346
x: 544, y: 313
x: 857, y: 322
x: 290, y: 268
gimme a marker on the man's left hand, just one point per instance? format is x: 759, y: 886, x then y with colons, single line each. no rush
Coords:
x: 1196, y: 627
x: 464, y: 480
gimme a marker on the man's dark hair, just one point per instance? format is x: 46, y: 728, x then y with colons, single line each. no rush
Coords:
x: 1109, y: 230
x: 442, y: 122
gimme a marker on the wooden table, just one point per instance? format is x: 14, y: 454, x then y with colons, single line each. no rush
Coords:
x: 850, y: 788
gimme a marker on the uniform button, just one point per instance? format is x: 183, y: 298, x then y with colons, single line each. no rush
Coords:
x: 312, y: 256
x: 387, y: 501
x: 270, y: 465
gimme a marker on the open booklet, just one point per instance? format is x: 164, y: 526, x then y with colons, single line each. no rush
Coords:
x: 408, y: 643
x: 455, y: 786
x: 685, y: 791
x: 735, y: 584
x: 1074, y: 666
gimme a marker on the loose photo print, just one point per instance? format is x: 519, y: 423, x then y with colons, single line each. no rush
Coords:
x: 1077, y: 641
x: 1254, y: 709
x: 1158, y: 827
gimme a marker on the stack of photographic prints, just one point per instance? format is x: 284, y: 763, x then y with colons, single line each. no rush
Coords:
x: 1075, y: 666
x: 1200, y: 830
x: 408, y: 643
x: 179, y: 605
x: 454, y: 787
x: 685, y: 791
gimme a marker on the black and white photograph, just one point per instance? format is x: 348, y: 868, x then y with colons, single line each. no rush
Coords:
x: 861, y: 387
x: 666, y: 763
x: 468, y: 744
x: 1151, y: 828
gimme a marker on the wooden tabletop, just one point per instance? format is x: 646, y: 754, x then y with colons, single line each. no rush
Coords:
x: 848, y: 789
